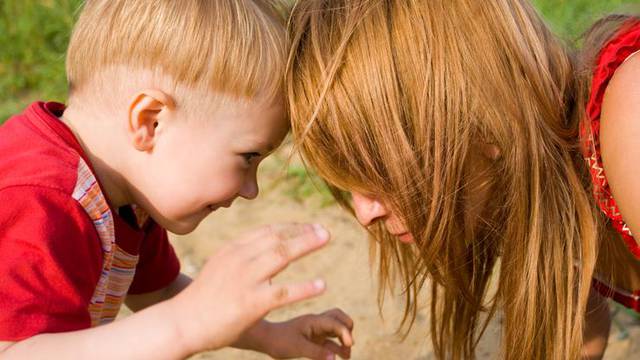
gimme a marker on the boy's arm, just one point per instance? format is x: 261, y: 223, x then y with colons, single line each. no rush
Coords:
x: 144, y: 335
x: 132, y: 338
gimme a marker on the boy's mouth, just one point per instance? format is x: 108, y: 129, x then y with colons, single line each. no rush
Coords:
x: 214, y: 207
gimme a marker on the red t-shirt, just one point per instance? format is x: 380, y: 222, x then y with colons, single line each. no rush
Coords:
x: 65, y: 262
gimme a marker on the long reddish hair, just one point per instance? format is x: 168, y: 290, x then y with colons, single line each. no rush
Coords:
x: 394, y: 98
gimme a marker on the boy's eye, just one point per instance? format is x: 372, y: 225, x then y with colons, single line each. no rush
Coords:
x: 250, y: 156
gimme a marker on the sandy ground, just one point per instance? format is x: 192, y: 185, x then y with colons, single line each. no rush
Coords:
x: 345, y: 266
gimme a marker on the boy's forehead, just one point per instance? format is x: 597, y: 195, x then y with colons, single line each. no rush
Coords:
x: 261, y: 123
x: 258, y: 113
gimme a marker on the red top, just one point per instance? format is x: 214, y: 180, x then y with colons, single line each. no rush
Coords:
x: 51, y: 257
x: 624, y: 44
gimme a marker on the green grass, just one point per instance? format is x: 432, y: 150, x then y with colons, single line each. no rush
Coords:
x: 33, y: 38
x: 303, y: 185
x: 570, y: 18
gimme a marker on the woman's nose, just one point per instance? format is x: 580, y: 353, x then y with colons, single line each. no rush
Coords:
x: 367, y: 209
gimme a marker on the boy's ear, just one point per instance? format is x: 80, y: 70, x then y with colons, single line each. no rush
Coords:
x: 145, y: 116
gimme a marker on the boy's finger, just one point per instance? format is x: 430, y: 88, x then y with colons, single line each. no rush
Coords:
x: 275, y: 232
x: 341, y: 316
x: 343, y: 351
x: 283, y: 251
x: 264, y: 231
x: 278, y: 295
x: 264, y: 237
x: 326, y: 325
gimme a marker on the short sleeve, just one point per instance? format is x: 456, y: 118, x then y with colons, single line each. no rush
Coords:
x: 50, y: 262
x: 158, y: 265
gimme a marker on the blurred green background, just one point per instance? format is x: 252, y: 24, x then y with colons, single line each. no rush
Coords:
x: 34, y: 34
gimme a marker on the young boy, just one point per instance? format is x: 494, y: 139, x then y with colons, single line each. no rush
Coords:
x: 172, y: 105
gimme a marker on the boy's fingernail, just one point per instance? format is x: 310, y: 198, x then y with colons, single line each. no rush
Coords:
x: 331, y: 357
x: 319, y: 284
x: 321, y: 232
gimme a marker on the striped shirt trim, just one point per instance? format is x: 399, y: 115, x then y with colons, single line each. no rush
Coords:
x: 118, y: 266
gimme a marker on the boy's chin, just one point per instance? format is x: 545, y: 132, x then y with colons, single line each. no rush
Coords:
x: 180, y: 224
x: 181, y: 228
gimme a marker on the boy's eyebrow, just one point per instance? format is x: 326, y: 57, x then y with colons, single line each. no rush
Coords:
x: 266, y: 147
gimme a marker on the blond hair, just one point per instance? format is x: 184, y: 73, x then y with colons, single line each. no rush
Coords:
x: 236, y: 47
x: 394, y: 98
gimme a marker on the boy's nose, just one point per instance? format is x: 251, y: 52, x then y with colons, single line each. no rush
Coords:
x: 367, y: 209
x: 249, y: 189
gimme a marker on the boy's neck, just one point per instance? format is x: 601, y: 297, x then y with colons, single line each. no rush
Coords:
x: 100, y: 142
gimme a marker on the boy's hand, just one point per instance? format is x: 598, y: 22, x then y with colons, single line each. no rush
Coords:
x: 310, y: 336
x: 233, y: 290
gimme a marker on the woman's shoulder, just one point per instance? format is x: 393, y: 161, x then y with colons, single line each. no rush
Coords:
x: 620, y: 140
